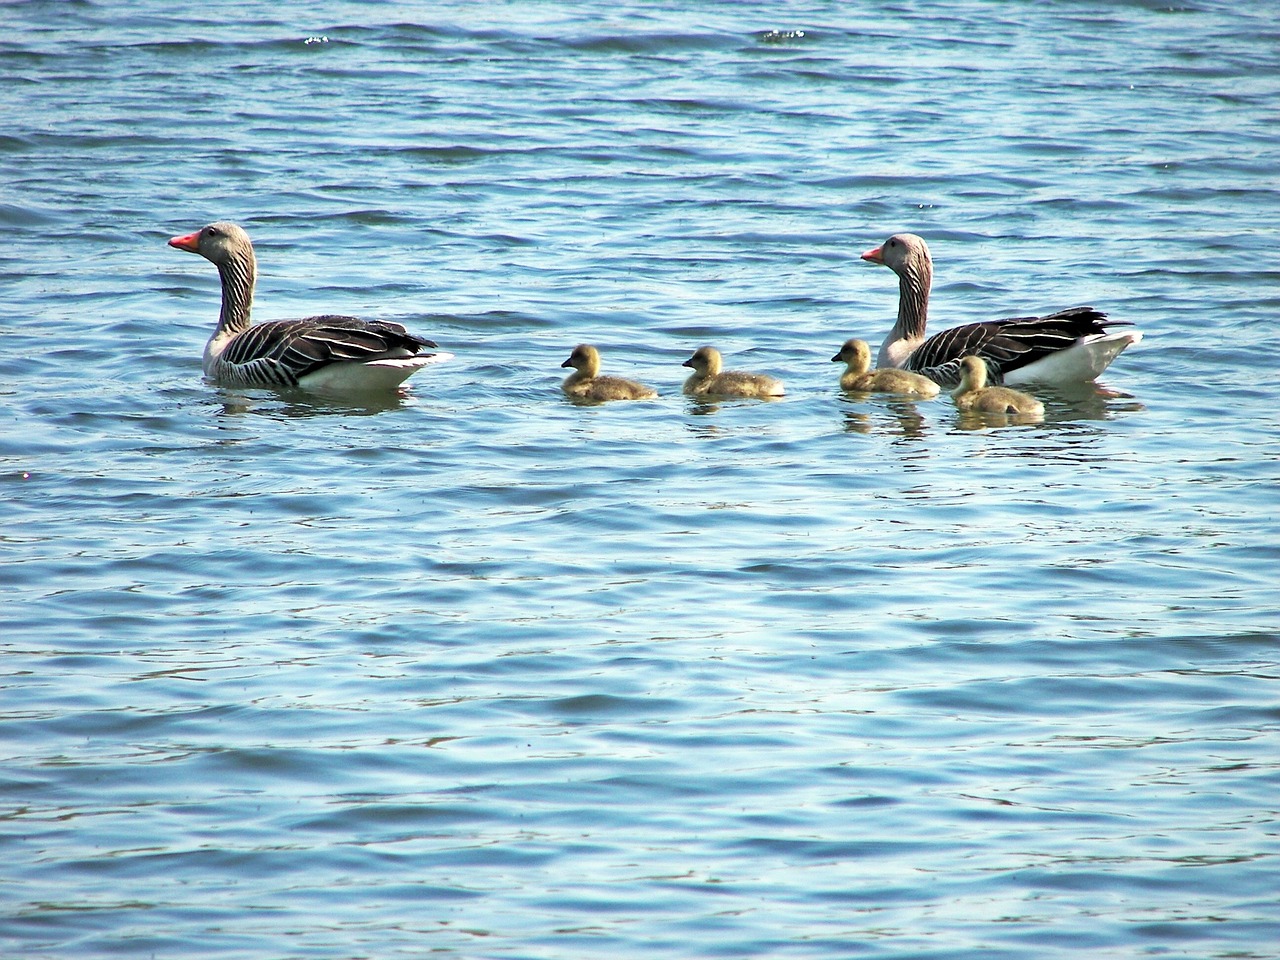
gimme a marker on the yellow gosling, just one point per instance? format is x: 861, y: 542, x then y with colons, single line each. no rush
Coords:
x: 858, y: 375
x: 708, y: 381
x: 585, y: 383
x: 974, y: 394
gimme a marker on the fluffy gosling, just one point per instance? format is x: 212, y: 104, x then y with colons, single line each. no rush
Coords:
x: 974, y: 394
x: 858, y: 375
x: 585, y: 383
x: 708, y: 381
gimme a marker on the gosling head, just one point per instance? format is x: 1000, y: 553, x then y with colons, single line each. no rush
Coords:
x: 705, y: 361
x: 856, y: 353
x: 973, y: 372
x: 585, y: 359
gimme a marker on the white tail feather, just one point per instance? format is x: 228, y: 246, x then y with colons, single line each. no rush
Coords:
x: 1082, y: 361
x: 375, y: 375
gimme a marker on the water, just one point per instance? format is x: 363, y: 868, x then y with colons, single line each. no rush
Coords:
x: 480, y: 672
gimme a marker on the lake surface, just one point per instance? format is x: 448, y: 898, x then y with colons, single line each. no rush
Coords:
x: 478, y: 672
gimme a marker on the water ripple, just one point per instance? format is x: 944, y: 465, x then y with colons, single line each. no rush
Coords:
x: 476, y: 670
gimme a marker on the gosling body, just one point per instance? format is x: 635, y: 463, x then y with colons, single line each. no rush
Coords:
x: 708, y: 379
x: 585, y: 383
x: 973, y: 394
x: 858, y: 375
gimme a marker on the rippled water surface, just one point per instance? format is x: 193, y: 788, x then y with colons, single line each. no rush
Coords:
x: 478, y: 672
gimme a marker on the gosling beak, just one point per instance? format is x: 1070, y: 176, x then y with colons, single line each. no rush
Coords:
x: 190, y: 243
x: 837, y: 358
x: 567, y: 363
x: 875, y: 256
x: 688, y: 363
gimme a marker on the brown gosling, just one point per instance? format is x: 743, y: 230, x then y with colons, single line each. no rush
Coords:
x: 974, y: 394
x: 858, y: 374
x: 708, y: 381
x: 585, y: 383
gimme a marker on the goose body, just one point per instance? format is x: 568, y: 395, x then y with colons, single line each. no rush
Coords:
x: 326, y: 353
x: 858, y: 375
x: 709, y: 381
x: 1070, y: 346
x: 973, y: 394
x: 585, y: 382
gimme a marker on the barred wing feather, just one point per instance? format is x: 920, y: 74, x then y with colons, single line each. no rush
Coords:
x: 1005, y: 345
x: 294, y: 348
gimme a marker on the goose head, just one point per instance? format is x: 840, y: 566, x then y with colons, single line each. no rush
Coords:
x: 219, y: 243
x: 903, y: 253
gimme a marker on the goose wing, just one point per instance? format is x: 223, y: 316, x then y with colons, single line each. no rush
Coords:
x: 1007, y: 344
x: 293, y: 348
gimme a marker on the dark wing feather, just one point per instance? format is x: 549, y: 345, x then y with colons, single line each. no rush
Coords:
x: 294, y: 348
x: 1005, y: 345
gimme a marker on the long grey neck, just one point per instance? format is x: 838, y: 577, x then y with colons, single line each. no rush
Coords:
x: 913, y: 300
x: 237, y: 293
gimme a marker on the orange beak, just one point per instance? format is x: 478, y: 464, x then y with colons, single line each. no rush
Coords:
x: 875, y: 256
x: 190, y: 243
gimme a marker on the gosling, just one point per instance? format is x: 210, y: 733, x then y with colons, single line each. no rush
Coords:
x: 859, y: 375
x: 708, y: 381
x: 585, y: 383
x: 974, y: 394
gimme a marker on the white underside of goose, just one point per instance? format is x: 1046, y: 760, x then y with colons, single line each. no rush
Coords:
x: 376, y: 375
x: 354, y: 375
x: 1084, y: 361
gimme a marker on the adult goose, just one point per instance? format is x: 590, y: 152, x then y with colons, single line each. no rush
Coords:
x: 317, y: 353
x: 859, y: 377
x: 707, y: 379
x: 1070, y: 346
x: 585, y: 383
x: 973, y: 394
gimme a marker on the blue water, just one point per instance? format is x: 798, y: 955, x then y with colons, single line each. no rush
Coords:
x: 478, y: 672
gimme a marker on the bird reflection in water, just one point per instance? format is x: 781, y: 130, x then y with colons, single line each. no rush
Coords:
x: 901, y: 417
x: 299, y: 404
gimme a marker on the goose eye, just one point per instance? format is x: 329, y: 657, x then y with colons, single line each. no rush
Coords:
x: 212, y: 232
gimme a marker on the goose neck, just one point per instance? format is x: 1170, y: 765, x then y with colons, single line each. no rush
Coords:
x: 237, y: 276
x: 913, y: 301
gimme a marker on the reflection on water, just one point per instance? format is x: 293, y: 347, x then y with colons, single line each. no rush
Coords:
x: 884, y: 413
x: 1085, y: 401
x: 589, y: 402
x: 858, y: 422
x: 702, y: 407
x: 982, y: 419
x: 297, y: 404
